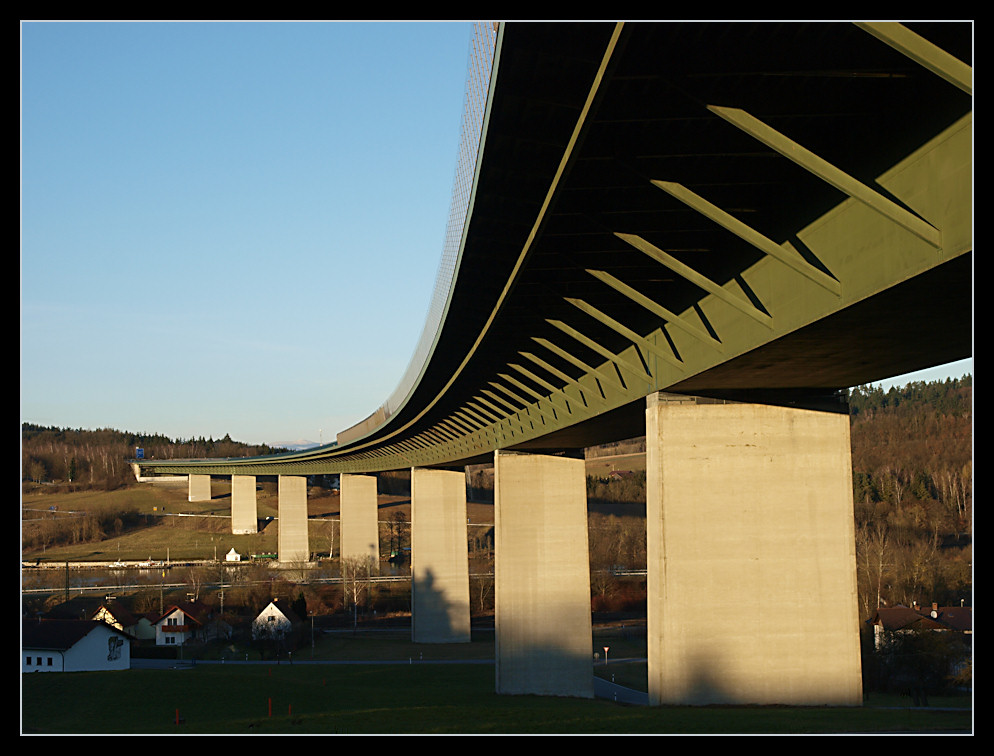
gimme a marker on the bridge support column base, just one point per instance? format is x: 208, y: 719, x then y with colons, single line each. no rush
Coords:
x: 244, y: 509
x: 542, y: 573
x: 439, y: 557
x: 293, y: 541
x: 360, y: 539
x: 751, y: 555
x: 200, y: 488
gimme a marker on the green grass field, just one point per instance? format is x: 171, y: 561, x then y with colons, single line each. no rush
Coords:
x: 399, y: 699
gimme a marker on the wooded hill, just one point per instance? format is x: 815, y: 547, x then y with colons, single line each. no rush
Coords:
x: 912, y: 453
x: 77, y: 459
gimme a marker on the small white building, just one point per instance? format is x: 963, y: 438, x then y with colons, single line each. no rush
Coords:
x: 233, y: 556
x: 73, y: 646
x: 274, y: 622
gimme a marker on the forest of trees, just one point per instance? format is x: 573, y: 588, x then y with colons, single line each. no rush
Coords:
x: 77, y: 459
x: 912, y: 451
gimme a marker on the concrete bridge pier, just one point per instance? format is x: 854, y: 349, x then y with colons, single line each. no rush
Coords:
x: 244, y: 507
x: 751, y: 554
x: 439, y: 557
x: 199, y: 488
x: 360, y: 533
x: 293, y: 545
x: 542, y: 574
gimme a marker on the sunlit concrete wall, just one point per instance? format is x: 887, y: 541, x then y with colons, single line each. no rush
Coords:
x: 200, y: 488
x: 360, y: 532
x: 542, y: 573
x: 751, y: 555
x: 439, y: 557
x: 292, y: 519
x: 244, y: 507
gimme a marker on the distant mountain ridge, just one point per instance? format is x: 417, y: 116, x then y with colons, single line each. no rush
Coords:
x: 299, y: 445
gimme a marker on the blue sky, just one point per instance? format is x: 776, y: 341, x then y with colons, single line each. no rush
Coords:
x: 232, y: 227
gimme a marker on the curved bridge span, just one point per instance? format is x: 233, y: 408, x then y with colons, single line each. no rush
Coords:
x: 697, y: 232
x: 706, y: 209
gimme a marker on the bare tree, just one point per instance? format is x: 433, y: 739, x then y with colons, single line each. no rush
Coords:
x: 483, y: 588
x: 356, y: 574
x: 873, y: 553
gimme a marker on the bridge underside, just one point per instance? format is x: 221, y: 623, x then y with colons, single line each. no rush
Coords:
x: 721, y: 209
x: 666, y: 216
x: 930, y: 316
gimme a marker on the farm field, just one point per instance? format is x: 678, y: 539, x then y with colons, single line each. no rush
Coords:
x: 165, y: 526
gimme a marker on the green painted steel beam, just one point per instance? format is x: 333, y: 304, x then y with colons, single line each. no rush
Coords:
x: 646, y: 345
x: 919, y: 49
x: 670, y: 317
x: 785, y: 253
x: 829, y: 173
x: 742, y: 305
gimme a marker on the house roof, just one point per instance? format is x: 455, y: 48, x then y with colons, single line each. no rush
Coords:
x: 86, y: 607
x: 194, y: 611
x: 76, y: 608
x: 118, y: 611
x: 956, y: 617
x: 59, y: 634
x: 283, y: 606
x: 904, y: 617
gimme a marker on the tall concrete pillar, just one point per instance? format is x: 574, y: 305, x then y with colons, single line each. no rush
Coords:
x: 200, y: 488
x: 294, y: 545
x: 360, y: 529
x: 244, y: 510
x: 751, y: 555
x: 543, y: 642
x: 439, y: 557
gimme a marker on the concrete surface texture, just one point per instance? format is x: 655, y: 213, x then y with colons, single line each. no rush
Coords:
x: 244, y: 506
x: 292, y: 520
x: 751, y: 555
x: 200, y: 488
x: 542, y: 575
x: 360, y: 533
x: 439, y: 557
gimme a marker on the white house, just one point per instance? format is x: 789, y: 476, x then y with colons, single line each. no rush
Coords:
x: 179, y: 624
x: 275, y: 621
x: 233, y: 556
x: 73, y: 646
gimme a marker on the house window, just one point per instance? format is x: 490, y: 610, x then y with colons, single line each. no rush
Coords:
x: 38, y: 662
x: 49, y: 661
x: 28, y: 661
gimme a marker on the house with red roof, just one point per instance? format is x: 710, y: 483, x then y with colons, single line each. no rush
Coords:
x: 190, y: 621
x: 180, y: 624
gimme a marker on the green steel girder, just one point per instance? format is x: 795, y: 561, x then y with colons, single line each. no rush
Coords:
x: 778, y: 254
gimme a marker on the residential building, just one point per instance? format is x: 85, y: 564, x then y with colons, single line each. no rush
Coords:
x: 276, y: 621
x: 73, y: 646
